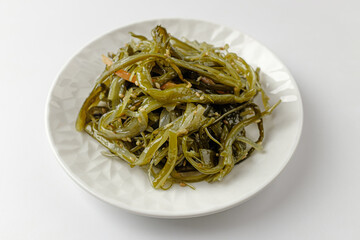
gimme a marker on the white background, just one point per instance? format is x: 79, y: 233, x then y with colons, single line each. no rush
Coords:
x: 317, y: 196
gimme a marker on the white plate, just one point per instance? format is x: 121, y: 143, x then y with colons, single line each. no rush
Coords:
x: 116, y: 183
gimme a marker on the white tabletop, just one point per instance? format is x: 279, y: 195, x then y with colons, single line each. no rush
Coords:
x: 317, y: 196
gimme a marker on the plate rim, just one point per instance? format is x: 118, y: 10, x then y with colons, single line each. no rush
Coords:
x: 169, y: 214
